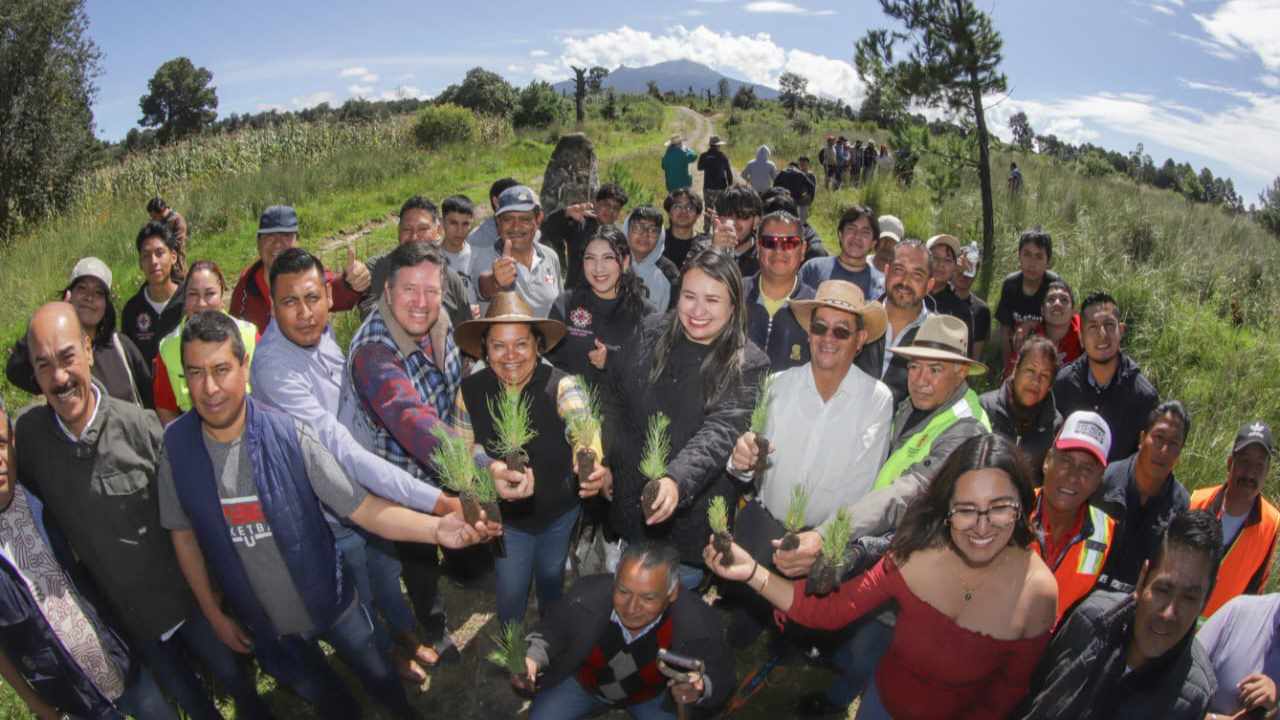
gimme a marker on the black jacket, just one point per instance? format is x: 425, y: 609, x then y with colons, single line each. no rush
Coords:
x: 1125, y: 403
x: 1080, y: 676
x: 569, y: 239
x: 1139, y: 528
x: 781, y: 337
x: 1034, y: 439
x: 587, y: 318
x: 677, y: 250
x: 144, y: 327
x: 801, y: 185
x: 561, y: 641
x: 717, y: 173
x: 702, y: 433
x: 118, y: 365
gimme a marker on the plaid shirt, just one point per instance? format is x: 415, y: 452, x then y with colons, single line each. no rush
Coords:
x: 392, y: 400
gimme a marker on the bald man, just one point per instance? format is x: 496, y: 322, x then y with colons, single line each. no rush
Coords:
x: 88, y: 455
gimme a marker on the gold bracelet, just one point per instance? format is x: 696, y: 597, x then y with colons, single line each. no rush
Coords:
x: 765, y: 584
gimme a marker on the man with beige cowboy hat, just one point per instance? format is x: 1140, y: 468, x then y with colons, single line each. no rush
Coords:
x: 828, y: 423
x: 541, y: 503
x: 675, y: 163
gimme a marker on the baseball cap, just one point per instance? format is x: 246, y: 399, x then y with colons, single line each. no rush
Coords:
x: 517, y: 199
x: 278, y: 219
x: 950, y: 241
x: 91, y: 267
x: 1254, y: 432
x: 1085, y: 430
x: 891, y: 224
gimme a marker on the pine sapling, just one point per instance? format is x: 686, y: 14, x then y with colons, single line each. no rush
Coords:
x: 584, y: 428
x: 718, y: 517
x: 653, y: 464
x: 509, y: 653
x: 760, y: 415
x: 795, y: 518
x: 513, y: 425
x: 825, y: 574
x: 457, y: 470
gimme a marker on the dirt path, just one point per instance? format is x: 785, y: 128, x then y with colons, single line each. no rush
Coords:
x: 696, y: 128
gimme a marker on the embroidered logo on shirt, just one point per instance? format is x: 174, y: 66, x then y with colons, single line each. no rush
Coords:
x: 580, y: 317
x: 144, y: 322
x: 795, y: 352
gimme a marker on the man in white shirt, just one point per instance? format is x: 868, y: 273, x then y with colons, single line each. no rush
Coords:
x: 518, y: 261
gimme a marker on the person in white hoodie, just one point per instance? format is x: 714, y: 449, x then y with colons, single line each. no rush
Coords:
x: 761, y: 171
x: 644, y: 238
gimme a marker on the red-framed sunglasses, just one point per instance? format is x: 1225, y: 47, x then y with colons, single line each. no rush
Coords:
x: 780, y: 242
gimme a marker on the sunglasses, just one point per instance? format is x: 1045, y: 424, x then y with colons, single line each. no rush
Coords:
x: 780, y: 242
x: 817, y: 328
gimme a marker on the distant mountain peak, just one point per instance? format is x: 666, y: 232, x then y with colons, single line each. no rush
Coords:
x: 674, y: 75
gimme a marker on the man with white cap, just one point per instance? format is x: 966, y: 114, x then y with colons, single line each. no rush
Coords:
x: 518, y: 261
x: 891, y: 233
x: 1074, y: 537
x: 945, y: 250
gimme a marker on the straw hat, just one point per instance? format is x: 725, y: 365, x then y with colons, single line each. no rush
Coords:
x: 843, y: 295
x: 506, y: 307
x: 942, y: 337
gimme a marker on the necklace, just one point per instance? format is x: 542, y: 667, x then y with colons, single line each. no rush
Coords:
x: 969, y: 590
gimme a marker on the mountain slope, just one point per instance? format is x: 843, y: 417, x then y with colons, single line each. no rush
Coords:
x: 674, y: 75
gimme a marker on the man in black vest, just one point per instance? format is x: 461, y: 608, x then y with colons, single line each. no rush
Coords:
x: 256, y: 485
x: 597, y: 647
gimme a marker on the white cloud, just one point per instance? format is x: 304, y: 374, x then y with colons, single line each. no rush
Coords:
x: 268, y: 107
x: 514, y: 68
x: 313, y: 99
x: 360, y: 73
x: 1246, y: 26
x: 538, y: 53
x: 1163, y: 10
x: 1271, y: 81
x: 1217, y: 50
x: 404, y: 92
x: 360, y: 90
x: 694, y: 12
x: 783, y: 8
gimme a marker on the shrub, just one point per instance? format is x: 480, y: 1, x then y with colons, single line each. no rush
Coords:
x: 540, y: 106
x: 440, y: 125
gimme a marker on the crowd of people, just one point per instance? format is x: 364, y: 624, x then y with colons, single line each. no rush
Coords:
x: 216, y: 477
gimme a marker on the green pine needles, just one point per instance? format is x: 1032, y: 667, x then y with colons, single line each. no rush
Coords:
x: 457, y: 468
x: 657, y: 446
x: 796, y: 509
x: 512, y: 422
x: 836, y: 538
x: 584, y: 426
x: 512, y: 648
x: 718, y: 515
x: 760, y: 413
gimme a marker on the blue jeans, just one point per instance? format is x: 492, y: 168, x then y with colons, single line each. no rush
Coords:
x: 856, y: 660
x: 144, y: 700
x: 691, y: 576
x: 871, y: 708
x: 569, y: 701
x: 352, y: 638
x: 539, y: 557
x: 375, y: 568
x: 174, y: 673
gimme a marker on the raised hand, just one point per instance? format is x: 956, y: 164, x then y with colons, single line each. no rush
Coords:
x: 668, y: 498
x: 355, y: 273
x: 743, y: 564
x: 745, y: 452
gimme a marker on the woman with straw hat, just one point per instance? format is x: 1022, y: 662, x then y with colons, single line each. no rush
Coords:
x: 539, y: 505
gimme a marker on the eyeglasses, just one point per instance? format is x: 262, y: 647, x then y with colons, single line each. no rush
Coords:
x: 817, y: 328
x: 1001, y: 515
x: 685, y: 207
x: 780, y: 242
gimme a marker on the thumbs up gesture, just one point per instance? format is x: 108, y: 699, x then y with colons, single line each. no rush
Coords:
x: 504, y: 268
x: 355, y: 273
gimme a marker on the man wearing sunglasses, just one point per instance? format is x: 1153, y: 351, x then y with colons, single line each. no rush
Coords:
x: 770, y: 322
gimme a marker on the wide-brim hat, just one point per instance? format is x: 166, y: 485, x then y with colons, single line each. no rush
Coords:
x: 942, y: 337
x: 506, y: 307
x: 716, y: 141
x: 843, y: 295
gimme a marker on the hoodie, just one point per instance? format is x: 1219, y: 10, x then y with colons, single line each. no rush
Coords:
x: 659, y: 275
x: 760, y: 172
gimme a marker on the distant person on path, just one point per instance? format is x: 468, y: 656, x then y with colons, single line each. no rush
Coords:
x: 117, y: 362
x: 1250, y: 522
x: 1242, y: 640
x: 797, y: 179
x: 771, y: 324
x: 486, y: 233
x: 962, y: 284
x: 717, y: 173
x: 660, y: 276
x: 1060, y: 324
x: 568, y: 229
x: 155, y: 310
x: 1106, y: 380
x: 675, y: 163
x: 1134, y: 655
x: 683, y: 207
x: 827, y: 159
x: 419, y: 221
x: 161, y: 212
x: 759, y: 173
x: 1142, y: 494
x: 518, y: 261
x: 277, y: 232
x: 1015, y: 179
x: 844, y: 155
x: 1022, y: 292
x: 868, y: 161
x: 857, y: 231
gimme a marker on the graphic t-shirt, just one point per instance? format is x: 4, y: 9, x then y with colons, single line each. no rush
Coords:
x: 1015, y: 305
x: 250, y: 532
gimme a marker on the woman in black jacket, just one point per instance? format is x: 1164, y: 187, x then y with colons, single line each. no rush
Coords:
x: 1022, y: 409
x: 601, y: 313
x: 695, y: 365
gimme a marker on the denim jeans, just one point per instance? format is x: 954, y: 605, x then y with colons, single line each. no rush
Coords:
x: 352, y: 639
x: 691, y: 576
x: 144, y: 700
x: 856, y: 659
x: 373, y: 565
x: 569, y: 701
x: 173, y: 671
x: 539, y: 557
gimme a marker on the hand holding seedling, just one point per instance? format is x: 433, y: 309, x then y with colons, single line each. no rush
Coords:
x: 740, y: 569
x: 746, y: 453
x: 355, y: 273
x: 686, y: 693
x: 454, y: 532
x: 531, y: 668
x: 665, y: 504
x: 1257, y: 692
x: 798, y: 562
x: 599, y: 481
x: 598, y: 355
x: 511, y: 485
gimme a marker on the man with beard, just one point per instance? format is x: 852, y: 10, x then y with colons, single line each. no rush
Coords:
x: 1250, y: 522
x: 909, y: 279
x: 1142, y: 494
x: 1104, y: 379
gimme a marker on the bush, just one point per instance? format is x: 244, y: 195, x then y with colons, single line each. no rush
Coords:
x: 440, y: 125
x: 642, y: 115
x: 540, y: 106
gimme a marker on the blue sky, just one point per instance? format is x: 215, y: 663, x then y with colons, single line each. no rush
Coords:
x: 1198, y: 80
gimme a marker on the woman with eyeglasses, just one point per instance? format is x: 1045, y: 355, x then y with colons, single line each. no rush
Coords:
x: 975, y: 604
x: 660, y: 276
x: 695, y: 365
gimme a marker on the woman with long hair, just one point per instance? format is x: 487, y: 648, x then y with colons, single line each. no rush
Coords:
x: 975, y: 604
x: 117, y: 363
x: 695, y: 365
x: 603, y: 312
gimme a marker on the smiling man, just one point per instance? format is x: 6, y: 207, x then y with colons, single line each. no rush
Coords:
x: 908, y: 280
x: 1250, y: 523
x: 1134, y: 655
x: 771, y: 324
x: 156, y: 309
x: 518, y: 261
x: 858, y: 230
x: 648, y: 261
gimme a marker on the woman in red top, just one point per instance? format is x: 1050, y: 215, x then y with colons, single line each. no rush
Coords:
x: 974, y: 604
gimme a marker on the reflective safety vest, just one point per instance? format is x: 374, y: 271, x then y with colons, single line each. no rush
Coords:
x: 171, y: 353
x: 1246, y: 565
x: 917, y: 447
x: 1077, y: 574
